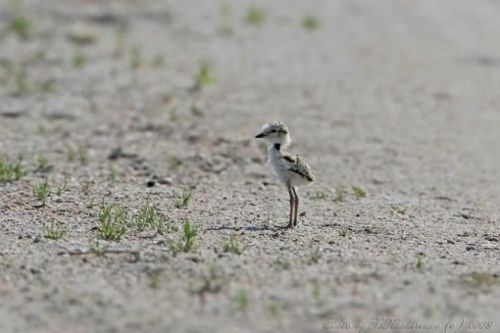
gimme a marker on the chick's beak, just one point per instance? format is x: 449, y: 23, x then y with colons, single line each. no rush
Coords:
x: 260, y: 135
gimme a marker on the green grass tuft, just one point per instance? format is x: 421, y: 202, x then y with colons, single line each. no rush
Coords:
x: 186, y: 241
x: 283, y: 263
x: 316, y: 294
x: 112, y: 222
x: 196, y: 111
x: 158, y: 61
x: 255, y: 16
x: 136, y: 60
x: 79, y: 60
x: 213, y: 282
x: 154, y: 279
x: 46, y: 86
x: 479, y: 279
x: 82, y: 37
x: 398, y: 210
x: 310, y: 22
x: 11, y: 171
x: 242, y: 300
x: 359, y: 193
x: 52, y: 231
x: 343, y: 231
x: 43, y: 164
x: 149, y: 218
x: 41, y: 191
x: 184, y: 199
x: 233, y: 246
x: 320, y: 195
x: 315, y: 255
x: 174, y: 163
x: 203, y: 77
x: 83, y: 155
x: 21, y: 26
x: 340, y: 194
x: 22, y: 86
x: 63, y: 187
x: 96, y: 248
x: 420, y: 264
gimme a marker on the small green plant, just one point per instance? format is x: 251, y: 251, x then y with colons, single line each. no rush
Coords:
x: 233, y: 246
x: 420, y: 264
x: 255, y: 16
x: 113, y: 174
x: 46, y: 86
x: 184, y: 199
x: 149, y: 218
x: 11, y: 171
x: 283, y: 263
x: 196, y: 111
x: 174, y: 163
x: 242, y: 300
x: 186, y: 241
x: 70, y: 154
x: 343, y: 231
x: 63, y: 187
x: 120, y: 34
x: 6, y: 70
x: 189, y: 235
x: 52, y: 231
x: 43, y: 164
x: 320, y: 195
x: 212, y: 282
x: 172, y: 115
x: 21, y: 80
x: 135, y: 58
x: 96, y: 248
x: 203, y: 77
x: 21, y: 26
x: 359, y: 193
x: 175, y: 246
x: 274, y: 309
x: 86, y: 185
x: 224, y: 28
x: 224, y: 10
x: 79, y: 60
x: 112, y: 222
x: 340, y: 193
x: 154, y: 278
x: 398, y: 210
x: 82, y: 36
x: 158, y: 61
x: 479, y: 279
x: 41, y: 191
x: 167, y: 99
x: 310, y: 22
x: 315, y: 254
x: 316, y: 294
x: 83, y: 155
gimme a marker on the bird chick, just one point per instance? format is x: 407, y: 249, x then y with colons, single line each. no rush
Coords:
x: 292, y: 171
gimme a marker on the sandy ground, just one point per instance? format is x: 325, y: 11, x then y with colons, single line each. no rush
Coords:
x: 398, y: 98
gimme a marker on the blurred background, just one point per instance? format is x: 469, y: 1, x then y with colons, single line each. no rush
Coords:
x: 366, y: 82
x: 393, y: 103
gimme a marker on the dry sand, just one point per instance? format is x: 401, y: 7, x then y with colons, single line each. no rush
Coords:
x: 398, y: 98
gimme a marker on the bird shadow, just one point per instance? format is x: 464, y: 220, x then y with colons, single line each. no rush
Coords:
x: 251, y: 228
x: 330, y: 225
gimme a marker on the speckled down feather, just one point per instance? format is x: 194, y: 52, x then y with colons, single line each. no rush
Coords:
x: 298, y: 165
